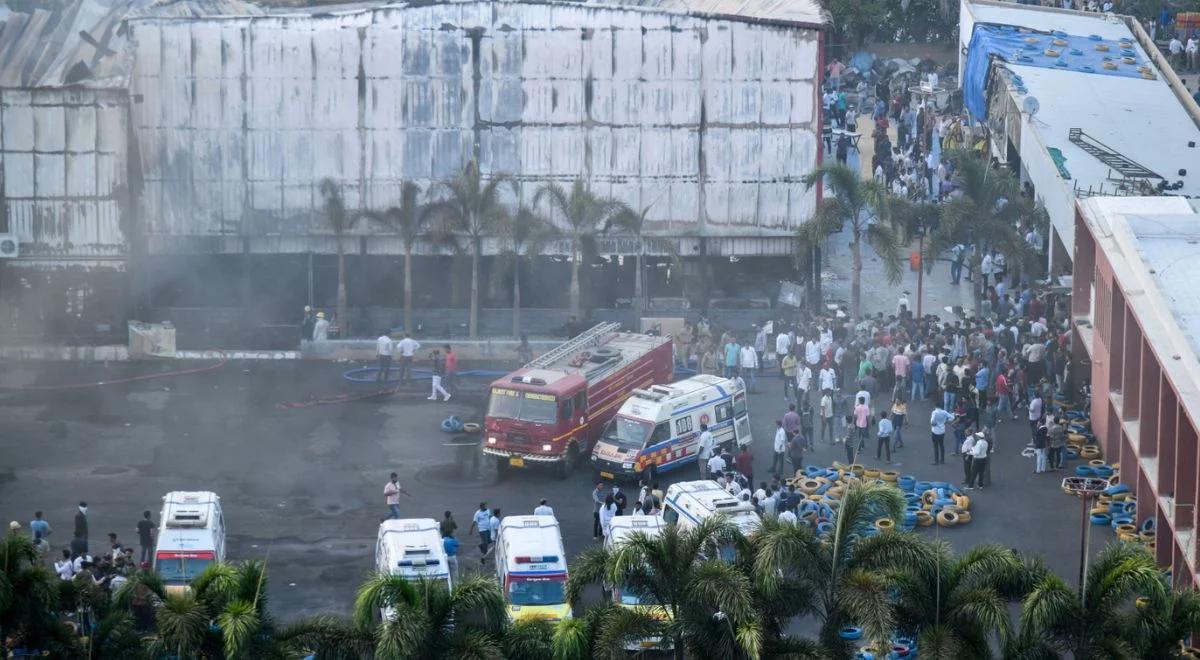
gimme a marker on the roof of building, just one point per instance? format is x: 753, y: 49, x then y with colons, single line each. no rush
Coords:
x: 1153, y: 244
x: 802, y: 12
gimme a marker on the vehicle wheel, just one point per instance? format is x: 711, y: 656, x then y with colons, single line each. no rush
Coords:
x: 570, y: 459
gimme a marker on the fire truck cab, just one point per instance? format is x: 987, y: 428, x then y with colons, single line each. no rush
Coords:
x: 551, y: 411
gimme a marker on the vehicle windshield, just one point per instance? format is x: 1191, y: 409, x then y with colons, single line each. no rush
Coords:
x: 538, y: 591
x: 630, y: 597
x: 176, y: 570
x: 627, y: 433
x: 523, y: 406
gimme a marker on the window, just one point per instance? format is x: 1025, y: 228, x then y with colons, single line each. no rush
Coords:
x: 662, y: 433
x: 670, y: 515
x: 683, y: 425
x: 724, y: 411
x: 739, y: 405
x: 581, y: 402
x: 567, y: 410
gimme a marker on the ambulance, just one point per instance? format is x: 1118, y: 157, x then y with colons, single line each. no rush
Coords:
x: 658, y: 429
x: 623, y: 527
x: 412, y: 549
x: 688, y: 503
x: 532, y: 568
x: 191, y: 537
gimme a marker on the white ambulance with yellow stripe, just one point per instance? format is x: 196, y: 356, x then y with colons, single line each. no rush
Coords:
x: 658, y: 429
x: 621, y: 529
x: 532, y: 568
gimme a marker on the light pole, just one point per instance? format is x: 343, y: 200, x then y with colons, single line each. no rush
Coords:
x: 1085, y: 488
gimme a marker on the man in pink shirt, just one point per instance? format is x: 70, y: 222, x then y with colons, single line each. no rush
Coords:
x: 862, y: 419
x: 451, y: 368
x: 391, y: 493
x: 901, y: 364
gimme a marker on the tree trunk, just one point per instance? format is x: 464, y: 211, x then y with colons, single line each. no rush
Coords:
x: 856, y: 277
x: 408, y: 313
x: 815, y: 284
x: 473, y: 318
x: 343, y: 323
x: 516, y: 319
x: 575, y: 258
x: 638, y: 301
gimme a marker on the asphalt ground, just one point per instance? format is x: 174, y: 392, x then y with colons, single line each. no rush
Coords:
x: 302, y: 487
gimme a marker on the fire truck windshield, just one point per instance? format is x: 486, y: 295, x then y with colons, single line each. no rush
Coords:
x: 524, y: 406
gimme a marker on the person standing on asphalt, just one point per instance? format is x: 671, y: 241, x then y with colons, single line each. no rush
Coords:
x: 450, y: 545
x: 383, y: 351
x: 760, y: 347
x: 806, y: 423
x: 439, y: 370
x: 968, y: 456
x: 745, y: 463
x: 482, y: 522
x: 391, y: 494
x: 408, y: 347
x: 39, y: 527
x: 543, y: 509
x: 796, y: 454
x: 862, y: 420
x: 705, y: 450
x: 827, y: 415
x: 145, y: 530
x: 447, y: 526
x: 787, y: 370
x: 608, y: 511
x: 748, y: 361
x: 598, y: 503
x: 937, y: 428
x: 899, y: 414
x: 1041, y: 436
x: 804, y: 377
x: 883, y: 434
x: 791, y: 421
x: 451, y: 367
x: 81, y: 524
x: 780, y: 447
x: 321, y: 328
x: 1035, y: 411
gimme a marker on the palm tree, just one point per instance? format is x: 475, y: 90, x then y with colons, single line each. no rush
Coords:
x: 584, y: 214
x: 1057, y: 619
x: 1162, y: 621
x: 863, y: 206
x: 835, y: 568
x: 471, y: 211
x: 986, y: 214
x: 409, y: 219
x: 428, y: 621
x: 334, y: 212
x: 954, y: 605
x: 29, y: 600
x: 525, y: 234
x: 634, y: 222
x: 704, y: 605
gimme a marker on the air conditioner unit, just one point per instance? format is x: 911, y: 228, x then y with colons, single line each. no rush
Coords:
x: 9, y: 247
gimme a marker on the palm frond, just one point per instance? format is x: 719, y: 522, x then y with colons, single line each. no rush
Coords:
x: 380, y: 591
x: 239, y: 622
x: 326, y: 637
x: 183, y: 623
x: 528, y: 639
x: 590, y: 567
x: 479, y: 596
x: 623, y: 627
x: 865, y: 597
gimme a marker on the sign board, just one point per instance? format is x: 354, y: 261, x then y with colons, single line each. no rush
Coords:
x: 151, y: 339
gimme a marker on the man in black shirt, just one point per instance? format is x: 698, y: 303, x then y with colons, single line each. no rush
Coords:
x: 81, y: 524
x: 145, y: 530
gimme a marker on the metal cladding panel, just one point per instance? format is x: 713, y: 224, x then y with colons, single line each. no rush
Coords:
x: 49, y: 126
x: 81, y: 174
x: 546, y: 92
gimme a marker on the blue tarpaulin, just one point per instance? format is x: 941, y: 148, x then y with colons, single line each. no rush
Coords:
x: 1057, y: 50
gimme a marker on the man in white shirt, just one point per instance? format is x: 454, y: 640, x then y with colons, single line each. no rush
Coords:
x: 705, y: 450
x: 543, y: 509
x: 408, y: 347
x: 812, y: 352
x: 783, y: 345
x: 1192, y: 50
x: 64, y: 567
x: 787, y: 517
x: 748, y: 360
x: 383, y: 351
x: 1038, y: 327
x: 760, y: 347
x: 780, y: 447
x: 828, y: 378
x: 1176, y: 49
x: 716, y: 464
x: 979, y: 459
x: 803, y: 382
x: 321, y: 328
x: 482, y: 522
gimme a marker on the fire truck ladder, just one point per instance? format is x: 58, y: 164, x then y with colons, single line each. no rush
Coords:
x: 1106, y: 155
x: 581, y: 341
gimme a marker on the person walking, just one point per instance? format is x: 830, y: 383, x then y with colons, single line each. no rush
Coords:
x: 81, y: 525
x: 796, y: 454
x: 383, y: 352
x: 862, y: 420
x: 450, y: 545
x: 391, y: 494
x: 827, y: 415
x: 850, y: 438
x: 608, y: 511
x: 448, y: 526
x: 979, y: 461
x: 780, y: 447
x: 806, y: 424
x: 408, y: 348
x: 705, y: 450
x: 732, y: 351
x: 937, y: 428
x: 787, y: 370
x: 804, y: 377
x: 145, y: 530
x: 39, y: 528
x: 899, y: 413
x: 748, y: 361
x: 1056, y: 439
x: 883, y: 434
x: 482, y: 522
x: 598, y: 502
x: 439, y: 370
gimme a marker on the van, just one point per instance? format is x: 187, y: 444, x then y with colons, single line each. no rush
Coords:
x: 688, y: 503
x: 623, y: 527
x: 532, y: 568
x: 191, y: 537
x: 412, y: 548
x: 658, y: 429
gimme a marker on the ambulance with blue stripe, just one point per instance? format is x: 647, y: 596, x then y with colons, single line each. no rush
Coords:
x: 658, y: 429
x: 532, y: 568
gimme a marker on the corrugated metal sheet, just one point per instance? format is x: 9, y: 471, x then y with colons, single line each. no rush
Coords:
x: 709, y: 121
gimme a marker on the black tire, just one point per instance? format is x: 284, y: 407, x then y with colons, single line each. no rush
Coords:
x: 566, y: 467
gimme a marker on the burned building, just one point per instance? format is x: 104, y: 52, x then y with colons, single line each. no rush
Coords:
x: 189, y: 162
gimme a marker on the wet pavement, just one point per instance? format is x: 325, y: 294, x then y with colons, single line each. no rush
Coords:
x: 302, y: 487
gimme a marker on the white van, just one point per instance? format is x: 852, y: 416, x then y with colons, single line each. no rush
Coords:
x: 532, y: 568
x: 191, y: 536
x: 659, y: 429
x: 690, y: 502
x: 412, y: 549
x: 622, y: 527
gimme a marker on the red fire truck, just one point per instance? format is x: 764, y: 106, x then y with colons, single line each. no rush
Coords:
x: 552, y: 410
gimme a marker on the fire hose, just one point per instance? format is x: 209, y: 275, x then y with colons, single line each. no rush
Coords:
x: 118, y: 381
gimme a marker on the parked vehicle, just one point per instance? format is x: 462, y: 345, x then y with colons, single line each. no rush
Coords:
x: 191, y: 537
x: 532, y: 568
